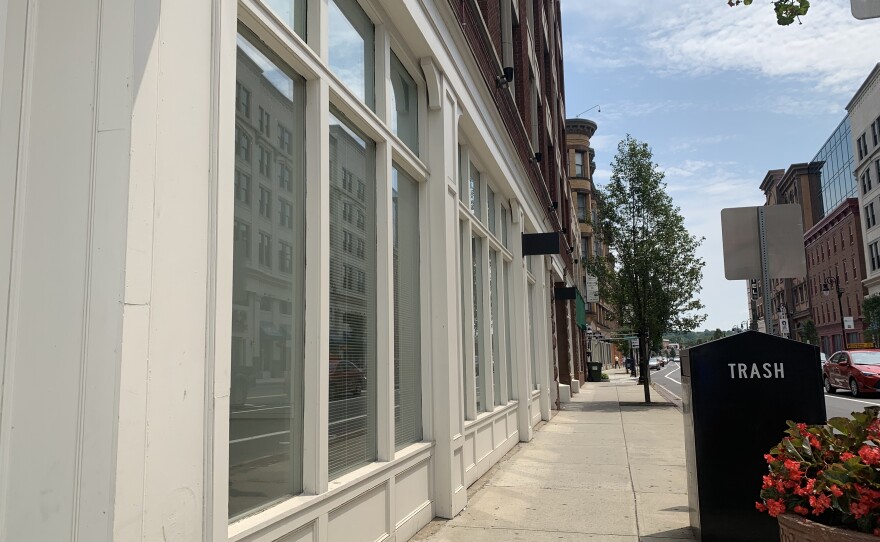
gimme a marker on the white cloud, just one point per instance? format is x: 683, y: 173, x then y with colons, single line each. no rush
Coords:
x: 831, y: 50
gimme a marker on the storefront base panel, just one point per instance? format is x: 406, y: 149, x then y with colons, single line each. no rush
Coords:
x: 487, y: 440
x: 387, y: 502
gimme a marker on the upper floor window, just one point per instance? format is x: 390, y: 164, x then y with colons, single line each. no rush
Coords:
x: 351, y: 38
x: 582, y: 207
x: 242, y: 99
x: 579, y: 164
x: 404, y: 114
x: 264, y: 121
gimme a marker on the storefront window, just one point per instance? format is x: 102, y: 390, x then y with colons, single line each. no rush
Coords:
x: 352, y: 367
x: 351, y: 36
x: 266, y: 413
x: 407, y: 318
x: 493, y: 321
x: 405, y: 105
x: 477, y: 276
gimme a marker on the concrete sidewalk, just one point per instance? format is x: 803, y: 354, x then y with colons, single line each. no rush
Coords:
x: 604, y: 468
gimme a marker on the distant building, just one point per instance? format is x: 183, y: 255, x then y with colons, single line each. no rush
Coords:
x: 582, y: 165
x: 864, y: 117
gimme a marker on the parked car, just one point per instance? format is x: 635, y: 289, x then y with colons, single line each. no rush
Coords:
x: 676, y: 359
x: 654, y: 364
x: 856, y: 370
x: 346, y: 379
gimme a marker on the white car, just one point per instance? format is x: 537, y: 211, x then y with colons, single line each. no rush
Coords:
x: 654, y: 364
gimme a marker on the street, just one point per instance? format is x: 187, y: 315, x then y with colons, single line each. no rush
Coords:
x: 840, y: 403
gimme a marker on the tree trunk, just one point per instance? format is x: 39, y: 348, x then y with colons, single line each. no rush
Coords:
x: 643, y: 364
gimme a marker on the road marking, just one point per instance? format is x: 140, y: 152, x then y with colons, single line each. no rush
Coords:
x: 851, y: 399
x: 668, y: 390
x: 236, y: 441
x: 670, y: 378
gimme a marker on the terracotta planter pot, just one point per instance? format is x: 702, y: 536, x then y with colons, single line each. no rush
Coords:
x: 794, y: 528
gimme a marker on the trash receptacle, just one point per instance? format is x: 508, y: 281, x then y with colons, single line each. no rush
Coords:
x: 738, y: 393
x: 594, y: 371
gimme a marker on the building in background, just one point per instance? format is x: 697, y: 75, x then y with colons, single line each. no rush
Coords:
x: 835, y: 267
x: 799, y: 184
x: 864, y: 117
x: 598, y: 322
x: 274, y: 280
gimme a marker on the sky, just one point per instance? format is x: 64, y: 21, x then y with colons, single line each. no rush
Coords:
x: 721, y: 94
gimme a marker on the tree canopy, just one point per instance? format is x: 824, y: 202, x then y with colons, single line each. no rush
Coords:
x: 650, y: 292
x: 787, y: 11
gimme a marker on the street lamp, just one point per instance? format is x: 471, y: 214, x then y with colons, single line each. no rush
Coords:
x: 826, y: 289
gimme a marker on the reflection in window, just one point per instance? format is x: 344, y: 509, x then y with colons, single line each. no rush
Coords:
x: 407, y: 320
x: 493, y: 321
x: 266, y: 412
x: 292, y: 12
x: 405, y: 105
x: 351, y: 36
x: 352, y: 368
x: 531, y: 295
x: 476, y: 273
x: 475, y: 191
x: 511, y: 390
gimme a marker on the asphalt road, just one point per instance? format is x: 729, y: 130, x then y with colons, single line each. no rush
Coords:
x: 839, y: 403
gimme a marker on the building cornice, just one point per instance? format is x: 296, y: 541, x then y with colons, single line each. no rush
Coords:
x: 875, y: 73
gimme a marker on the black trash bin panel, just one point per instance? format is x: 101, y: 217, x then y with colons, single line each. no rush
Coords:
x: 737, y: 394
x: 594, y: 369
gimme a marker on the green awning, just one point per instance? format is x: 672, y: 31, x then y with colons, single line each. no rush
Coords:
x: 580, y: 310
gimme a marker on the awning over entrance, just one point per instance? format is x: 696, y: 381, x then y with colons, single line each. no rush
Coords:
x: 580, y: 310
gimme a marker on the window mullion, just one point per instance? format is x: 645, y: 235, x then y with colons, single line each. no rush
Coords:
x: 317, y: 276
x: 384, y: 305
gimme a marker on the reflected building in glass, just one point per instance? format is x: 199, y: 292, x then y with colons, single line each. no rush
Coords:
x: 834, y: 166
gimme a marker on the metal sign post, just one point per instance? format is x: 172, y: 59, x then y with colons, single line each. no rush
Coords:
x: 765, y: 271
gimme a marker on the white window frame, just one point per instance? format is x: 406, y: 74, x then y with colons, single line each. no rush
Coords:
x: 323, y: 90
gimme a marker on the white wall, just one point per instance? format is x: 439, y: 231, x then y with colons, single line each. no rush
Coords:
x: 64, y: 139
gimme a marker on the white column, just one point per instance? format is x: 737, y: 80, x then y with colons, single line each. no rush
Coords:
x: 520, y: 341
x: 441, y: 272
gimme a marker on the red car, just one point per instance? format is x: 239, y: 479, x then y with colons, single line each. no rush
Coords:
x: 856, y: 370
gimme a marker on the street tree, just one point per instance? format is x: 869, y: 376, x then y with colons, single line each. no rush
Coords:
x: 871, y: 312
x: 809, y: 333
x: 640, y: 225
x: 718, y: 334
x: 787, y: 11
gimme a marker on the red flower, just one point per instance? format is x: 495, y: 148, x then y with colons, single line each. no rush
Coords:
x: 846, y: 456
x: 768, y: 482
x: 835, y: 491
x: 760, y: 507
x: 775, y: 507
x: 869, y: 454
x: 820, y: 503
x: 801, y: 510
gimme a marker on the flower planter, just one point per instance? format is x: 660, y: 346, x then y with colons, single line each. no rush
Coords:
x: 794, y: 528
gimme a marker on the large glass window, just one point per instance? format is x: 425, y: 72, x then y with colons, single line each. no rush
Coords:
x: 407, y: 319
x: 479, y: 357
x: 493, y: 322
x: 475, y: 191
x: 511, y: 390
x: 532, y: 336
x: 351, y: 36
x: 266, y: 413
x: 352, y: 367
x: 405, y: 105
